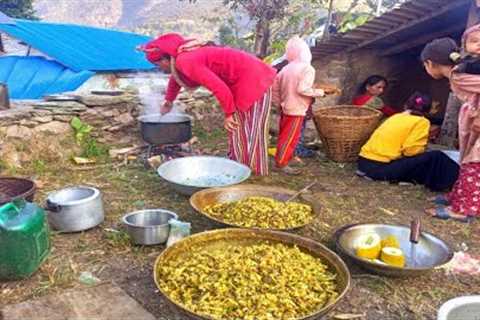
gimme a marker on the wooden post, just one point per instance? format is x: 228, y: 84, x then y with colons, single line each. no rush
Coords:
x: 449, y: 131
x: 474, y: 14
x: 326, y: 31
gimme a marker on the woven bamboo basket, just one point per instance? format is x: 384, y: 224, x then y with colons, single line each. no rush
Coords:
x: 344, y: 129
x: 14, y: 188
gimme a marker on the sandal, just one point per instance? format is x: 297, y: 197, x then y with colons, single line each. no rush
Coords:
x: 440, y: 200
x: 444, y: 214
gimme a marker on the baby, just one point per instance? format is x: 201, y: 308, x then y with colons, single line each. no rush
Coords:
x: 470, y: 63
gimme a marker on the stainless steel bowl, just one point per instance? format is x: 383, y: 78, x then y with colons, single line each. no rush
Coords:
x: 75, y: 209
x: 191, y: 174
x: 148, y: 227
x: 430, y: 252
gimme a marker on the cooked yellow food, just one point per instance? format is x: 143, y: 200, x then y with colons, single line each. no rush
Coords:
x: 368, y: 246
x: 393, y: 256
x: 261, y: 281
x: 382, y: 251
x: 262, y: 212
x: 391, y: 241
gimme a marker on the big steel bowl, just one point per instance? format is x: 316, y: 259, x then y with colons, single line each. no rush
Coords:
x: 217, y: 238
x: 172, y: 128
x: 148, y: 227
x: 191, y: 174
x: 75, y: 209
x: 212, y: 196
x: 430, y: 252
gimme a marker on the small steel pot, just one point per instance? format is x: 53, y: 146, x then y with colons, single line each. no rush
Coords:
x: 75, y: 209
x: 148, y: 227
x: 167, y: 129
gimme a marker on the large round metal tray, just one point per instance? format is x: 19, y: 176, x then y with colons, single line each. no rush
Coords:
x: 212, y: 196
x: 244, y: 236
x: 430, y: 252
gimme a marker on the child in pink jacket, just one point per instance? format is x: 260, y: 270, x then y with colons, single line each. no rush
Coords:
x: 293, y: 93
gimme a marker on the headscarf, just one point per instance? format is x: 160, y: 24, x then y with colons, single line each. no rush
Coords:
x: 171, y: 44
x: 298, y: 50
x: 467, y: 32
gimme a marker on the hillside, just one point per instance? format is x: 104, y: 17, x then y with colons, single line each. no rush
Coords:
x: 146, y: 16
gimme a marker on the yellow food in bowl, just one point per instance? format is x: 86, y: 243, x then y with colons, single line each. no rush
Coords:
x: 253, y: 281
x: 391, y: 241
x: 262, y: 212
x: 393, y: 256
x: 368, y: 246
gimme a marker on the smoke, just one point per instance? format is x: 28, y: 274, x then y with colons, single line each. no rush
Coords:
x: 151, y: 91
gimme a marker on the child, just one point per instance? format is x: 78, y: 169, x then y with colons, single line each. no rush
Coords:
x: 369, y: 95
x: 396, y: 150
x: 439, y: 58
x: 293, y: 93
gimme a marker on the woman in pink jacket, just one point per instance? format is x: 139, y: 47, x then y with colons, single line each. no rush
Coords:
x: 293, y: 93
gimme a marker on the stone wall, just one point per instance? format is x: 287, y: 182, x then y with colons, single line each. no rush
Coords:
x: 404, y: 72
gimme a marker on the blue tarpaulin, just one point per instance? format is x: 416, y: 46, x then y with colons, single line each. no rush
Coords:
x: 82, y: 47
x: 34, y: 77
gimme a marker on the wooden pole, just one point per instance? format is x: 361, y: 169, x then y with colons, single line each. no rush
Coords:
x: 379, y: 7
x: 326, y: 32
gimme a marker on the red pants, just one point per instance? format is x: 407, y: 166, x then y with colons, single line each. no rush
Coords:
x: 288, y: 137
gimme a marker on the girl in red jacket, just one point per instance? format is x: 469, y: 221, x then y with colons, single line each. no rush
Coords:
x: 240, y: 82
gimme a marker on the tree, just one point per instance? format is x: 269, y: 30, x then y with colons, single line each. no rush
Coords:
x: 18, y: 8
x: 264, y: 13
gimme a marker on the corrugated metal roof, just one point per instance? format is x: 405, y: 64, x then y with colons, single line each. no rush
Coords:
x: 34, y: 77
x: 82, y: 47
x: 406, y: 22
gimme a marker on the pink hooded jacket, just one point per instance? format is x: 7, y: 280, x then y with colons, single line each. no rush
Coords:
x: 293, y: 86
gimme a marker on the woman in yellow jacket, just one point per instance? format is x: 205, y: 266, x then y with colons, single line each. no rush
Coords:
x: 396, y: 150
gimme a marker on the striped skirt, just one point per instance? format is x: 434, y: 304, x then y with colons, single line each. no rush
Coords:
x: 248, y: 144
x: 288, y: 138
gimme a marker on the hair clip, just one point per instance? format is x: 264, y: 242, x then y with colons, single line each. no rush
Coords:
x: 455, y: 56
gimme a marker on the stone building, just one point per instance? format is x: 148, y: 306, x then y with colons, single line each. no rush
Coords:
x: 390, y: 45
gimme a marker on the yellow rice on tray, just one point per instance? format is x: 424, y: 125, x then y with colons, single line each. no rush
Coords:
x: 259, y: 281
x: 262, y: 212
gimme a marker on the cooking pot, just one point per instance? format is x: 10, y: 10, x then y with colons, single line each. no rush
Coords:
x: 148, y: 227
x: 75, y: 209
x: 171, y: 128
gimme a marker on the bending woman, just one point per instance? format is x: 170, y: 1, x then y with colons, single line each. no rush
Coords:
x: 369, y: 95
x: 396, y: 151
x: 240, y: 82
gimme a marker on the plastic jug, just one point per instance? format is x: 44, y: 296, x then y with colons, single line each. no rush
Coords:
x: 24, y: 239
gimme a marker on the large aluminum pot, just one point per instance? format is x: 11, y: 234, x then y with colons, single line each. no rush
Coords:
x: 172, y: 128
x: 75, y: 209
x: 149, y: 227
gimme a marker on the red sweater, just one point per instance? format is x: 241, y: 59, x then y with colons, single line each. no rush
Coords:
x: 237, y: 79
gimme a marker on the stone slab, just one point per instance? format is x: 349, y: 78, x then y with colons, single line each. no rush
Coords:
x: 103, y: 302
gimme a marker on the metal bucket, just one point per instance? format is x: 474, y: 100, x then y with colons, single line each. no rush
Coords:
x: 75, y: 209
x: 148, y: 227
x: 167, y: 129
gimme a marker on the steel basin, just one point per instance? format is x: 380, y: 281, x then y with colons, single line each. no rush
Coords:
x: 75, y: 209
x: 431, y: 252
x: 172, y: 128
x: 191, y: 174
x: 213, y: 196
x: 148, y: 227
x: 240, y: 237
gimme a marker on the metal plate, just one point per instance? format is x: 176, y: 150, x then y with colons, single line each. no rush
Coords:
x: 242, y: 236
x: 207, y: 197
x: 431, y: 251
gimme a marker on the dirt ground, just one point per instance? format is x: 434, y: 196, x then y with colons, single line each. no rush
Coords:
x: 107, y: 253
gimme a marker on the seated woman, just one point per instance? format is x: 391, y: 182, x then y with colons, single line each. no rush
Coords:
x: 396, y: 151
x: 369, y: 95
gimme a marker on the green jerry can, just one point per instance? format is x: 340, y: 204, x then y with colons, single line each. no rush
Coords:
x: 24, y: 239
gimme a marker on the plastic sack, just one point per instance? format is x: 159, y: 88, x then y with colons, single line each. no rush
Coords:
x: 178, y: 231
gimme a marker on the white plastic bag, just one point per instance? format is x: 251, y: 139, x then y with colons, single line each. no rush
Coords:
x: 178, y: 231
